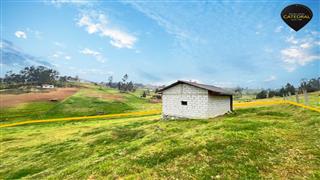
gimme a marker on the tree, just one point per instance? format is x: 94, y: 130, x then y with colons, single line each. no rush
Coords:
x: 289, y: 89
x: 63, y: 79
x: 39, y: 75
x: 310, y: 85
x: 130, y: 86
x: 119, y: 86
x: 262, y: 94
x: 282, y: 92
x: 303, y: 85
x: 314, y: 84
x: 124, y: 86
x: 144, y: 94
x: 13, y: 79
x: 272, y: 93
x: 110, y: 79
x: 35, y: 76
x: 31, y: 76
x: 125, y: 78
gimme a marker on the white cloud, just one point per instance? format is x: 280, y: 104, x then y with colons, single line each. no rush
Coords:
x: 61, y: 55
x: 292, y: 40
x: 295, y: 56
x: 59, y: 3
x: 57, y: 54
x: 98, y: 23
x: 87, y: 51
x: 305, y: 45
x: 270, y: 78
x: 59, y: 44
x: 21, y: 34
x: 278, y: 29
x: 90, y: 27
x: 34, y: 33
x: 299, y: 52
x: 97, y: 55
x: 315, y: 33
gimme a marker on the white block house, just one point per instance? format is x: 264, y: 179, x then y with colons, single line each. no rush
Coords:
x: 184, y: 99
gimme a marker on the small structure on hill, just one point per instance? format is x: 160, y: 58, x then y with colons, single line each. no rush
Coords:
x: 184, y: 99
x: 47, y: 86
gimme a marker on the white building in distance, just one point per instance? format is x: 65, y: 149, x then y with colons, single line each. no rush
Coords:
x: 184, y: 99
x: 47, y: 86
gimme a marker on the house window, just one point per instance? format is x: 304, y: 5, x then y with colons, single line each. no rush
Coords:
x: 184, y: 103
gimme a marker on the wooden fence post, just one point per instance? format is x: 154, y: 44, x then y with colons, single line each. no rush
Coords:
x: 297, y: 97
x: 306, y: 98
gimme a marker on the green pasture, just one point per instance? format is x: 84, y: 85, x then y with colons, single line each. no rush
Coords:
x: 89, y: 100
x: 275, y: 142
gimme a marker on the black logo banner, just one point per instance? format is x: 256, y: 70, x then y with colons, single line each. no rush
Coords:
x: 296, y: 16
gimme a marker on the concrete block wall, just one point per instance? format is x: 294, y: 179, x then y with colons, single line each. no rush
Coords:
x: 200, y: 103
x: 218, y: 105
x: 196, y: 98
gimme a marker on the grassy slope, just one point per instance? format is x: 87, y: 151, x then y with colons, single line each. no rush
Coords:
x: 277, y: 141
x: 314, y: 99
x: 79, y: 104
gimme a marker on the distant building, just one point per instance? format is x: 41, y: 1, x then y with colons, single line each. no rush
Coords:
x: 47, y: 86
x: 184, y: 99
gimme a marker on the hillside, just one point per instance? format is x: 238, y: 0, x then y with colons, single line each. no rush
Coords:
x: 88, y: 100
x: 266, y: 142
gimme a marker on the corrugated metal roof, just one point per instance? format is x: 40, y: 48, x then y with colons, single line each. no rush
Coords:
x: 202, y: 86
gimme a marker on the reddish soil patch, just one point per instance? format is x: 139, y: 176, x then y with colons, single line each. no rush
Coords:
x: 155, y: 101
x: 10, y: 100
x: 115, y: 97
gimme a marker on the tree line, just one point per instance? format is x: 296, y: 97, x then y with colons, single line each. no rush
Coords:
x: 305, y: 86
x: 39, y: 75
x: 123, y: 85
x: 34, y: 76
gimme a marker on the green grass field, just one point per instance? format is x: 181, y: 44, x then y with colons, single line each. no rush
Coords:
x: 275, y: 142
x: 314, y: 99
x: 89, y: 100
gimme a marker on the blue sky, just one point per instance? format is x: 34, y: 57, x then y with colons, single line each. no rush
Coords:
x: 228, y: 44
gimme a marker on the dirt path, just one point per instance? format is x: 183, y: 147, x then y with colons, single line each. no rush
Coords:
x: 11, y: 100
